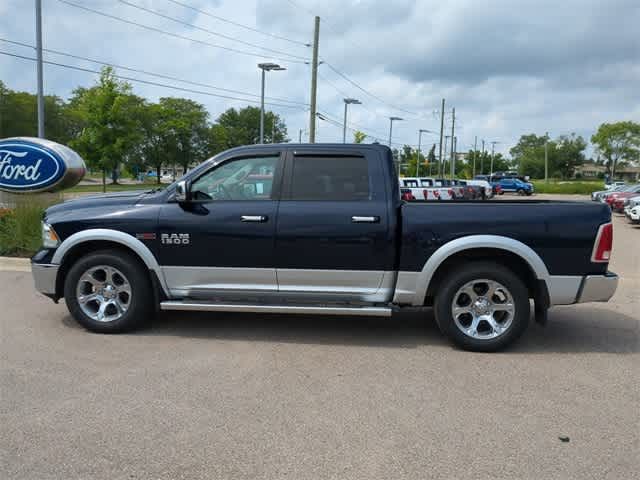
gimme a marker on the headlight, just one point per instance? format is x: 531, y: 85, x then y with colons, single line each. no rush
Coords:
x: 49, y: 236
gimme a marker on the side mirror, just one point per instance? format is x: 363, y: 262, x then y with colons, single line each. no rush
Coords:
x: 182, y: 194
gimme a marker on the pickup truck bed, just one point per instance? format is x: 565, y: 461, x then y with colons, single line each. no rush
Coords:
x: 321, y: 229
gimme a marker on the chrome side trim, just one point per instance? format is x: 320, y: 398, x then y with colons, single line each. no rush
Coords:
x: 598, y: 288
x: 251, y: 308
x: 362, y: 285
x: 563, y: 289
x: 467, y: 243
x: 113, y: 236
x: 44, y: 277
x: 183, y: 281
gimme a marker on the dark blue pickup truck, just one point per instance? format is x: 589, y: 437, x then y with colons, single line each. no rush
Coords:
x: 321, y: 229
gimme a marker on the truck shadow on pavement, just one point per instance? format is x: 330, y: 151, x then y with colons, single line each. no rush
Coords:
x: 568, y: 330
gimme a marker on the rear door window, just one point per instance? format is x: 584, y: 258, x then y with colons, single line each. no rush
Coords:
x: 330, y: 178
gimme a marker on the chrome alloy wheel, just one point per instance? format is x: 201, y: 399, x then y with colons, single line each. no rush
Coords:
x: 103, y: 293
x: 483, y: 309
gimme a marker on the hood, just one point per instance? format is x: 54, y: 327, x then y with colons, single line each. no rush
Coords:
x: 99, y: 200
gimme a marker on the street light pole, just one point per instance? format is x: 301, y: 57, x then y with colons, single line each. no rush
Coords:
x: 546, y: 157
x: 347, y: 102
x: 265, y: 67
x: 493, y: 148
x: 420, y: 132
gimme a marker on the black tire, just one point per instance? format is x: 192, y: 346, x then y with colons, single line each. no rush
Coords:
x: 520, y: 192
x: 140, y: 309
x: 529, y: 193
x: 474, y: 271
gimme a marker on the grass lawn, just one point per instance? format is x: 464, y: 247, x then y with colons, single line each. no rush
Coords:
x: 583, y: 187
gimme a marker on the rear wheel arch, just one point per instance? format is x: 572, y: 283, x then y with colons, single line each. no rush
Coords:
x: 511, y: 253
x: 505, y: 258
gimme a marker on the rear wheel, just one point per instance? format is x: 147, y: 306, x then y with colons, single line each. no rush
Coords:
x: 482, y: 307
x: 109, y: 292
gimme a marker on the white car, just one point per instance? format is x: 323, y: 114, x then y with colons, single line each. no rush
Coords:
x: 612, y: 185
x: 423, y: 188
x: 632, y: 209
x: 488, y: 189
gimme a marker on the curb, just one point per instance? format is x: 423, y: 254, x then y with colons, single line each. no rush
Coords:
x: 14, y: 264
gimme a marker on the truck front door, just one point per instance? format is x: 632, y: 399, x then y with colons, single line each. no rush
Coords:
x: 222, y: 241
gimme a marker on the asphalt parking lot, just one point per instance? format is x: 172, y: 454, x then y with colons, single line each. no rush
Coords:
x: 246, y: 396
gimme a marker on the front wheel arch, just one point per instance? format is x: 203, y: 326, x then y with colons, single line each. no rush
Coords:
x: 81, y: 249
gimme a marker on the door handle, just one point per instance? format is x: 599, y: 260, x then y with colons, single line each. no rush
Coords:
x: 359, y: 219
x: 254, y: 218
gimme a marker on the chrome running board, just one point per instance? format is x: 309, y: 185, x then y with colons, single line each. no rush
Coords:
x: 191, y: 305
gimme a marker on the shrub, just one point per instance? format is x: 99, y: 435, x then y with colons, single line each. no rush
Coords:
x: 20, y: 231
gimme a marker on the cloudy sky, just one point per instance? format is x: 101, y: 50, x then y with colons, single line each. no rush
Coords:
x: 508, y: 67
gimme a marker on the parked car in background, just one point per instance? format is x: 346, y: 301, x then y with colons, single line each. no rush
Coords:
x: 612, y: 185
x: 515, y: 185
x: 616, y: 199
x: 470, y: 192
x: 600, y: 194
x: 424, y: 188
x: 634, y: 214
x: 485, y: 185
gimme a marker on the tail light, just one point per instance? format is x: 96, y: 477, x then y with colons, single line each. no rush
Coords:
x: 436, y: 193
x: 426, y: 194
x: 604, y: 244
x: 451, y: 192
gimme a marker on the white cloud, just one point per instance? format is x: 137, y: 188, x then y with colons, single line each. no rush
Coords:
x: 508, y: 67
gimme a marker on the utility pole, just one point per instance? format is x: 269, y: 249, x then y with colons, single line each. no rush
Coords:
x: 454, y: 147
x: 273, y: 130
x: 39, y: 68
x: 314, y: 81
x: 482, y: 159
x: 546, y: 157
x: 441, y: 133
x: 300, y: 136
x: 453, y: 132
x: 475, y: 151
x: 443, y: 170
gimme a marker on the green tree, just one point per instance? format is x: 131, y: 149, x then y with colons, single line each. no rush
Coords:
x: 19, y: 118
x: 617, y: 142
x: 111, y: 115
x: 243, y: 126
x: 564, y: 154
x: 153, y: 150
x: 184, y: 124
x: 359, y: 137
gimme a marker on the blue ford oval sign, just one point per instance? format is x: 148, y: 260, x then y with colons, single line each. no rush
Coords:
x: 38, y: 165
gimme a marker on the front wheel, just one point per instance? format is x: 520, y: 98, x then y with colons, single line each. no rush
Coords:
x: 482, y: 307
x: 109, y: 291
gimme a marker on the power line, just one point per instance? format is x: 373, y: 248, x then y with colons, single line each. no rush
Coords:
x: 175, y: 35
x: 354, y: 127
x: 362, y: 89
x: 231, y: 22
x: 210, y: 32
x: 145, y: 72
x: 156, y: 84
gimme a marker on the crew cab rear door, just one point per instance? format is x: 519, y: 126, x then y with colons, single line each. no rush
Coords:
x: 333, y: 235
x: 222, y: 241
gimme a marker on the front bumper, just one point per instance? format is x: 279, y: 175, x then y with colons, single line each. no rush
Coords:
x: 597, y: 288
x: 44, y: 277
